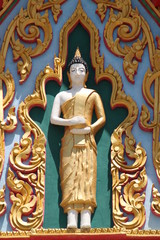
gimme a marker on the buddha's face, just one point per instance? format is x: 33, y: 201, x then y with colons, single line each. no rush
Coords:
x: 77, y: 74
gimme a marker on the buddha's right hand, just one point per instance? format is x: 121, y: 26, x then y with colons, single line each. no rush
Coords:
x: 77, y: 120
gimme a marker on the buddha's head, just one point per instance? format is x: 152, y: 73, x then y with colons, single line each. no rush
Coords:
x: 78, y: 70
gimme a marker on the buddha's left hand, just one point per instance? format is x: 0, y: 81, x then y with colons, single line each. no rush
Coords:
x: 85, y: 130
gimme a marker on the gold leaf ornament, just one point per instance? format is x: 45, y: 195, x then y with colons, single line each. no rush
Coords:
x: 129, y: 24
x: 3, y: 205
x: 152, y: 78
x: 101, y: 10
x: 32, y: 172
x: 155, y: 207
x: 11, y: 123
x: 23, y: 204
x: 28, y: 160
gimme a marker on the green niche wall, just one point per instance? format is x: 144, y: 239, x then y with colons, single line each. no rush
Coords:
x: 54, y: 216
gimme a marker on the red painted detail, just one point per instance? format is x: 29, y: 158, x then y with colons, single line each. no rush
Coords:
x: 8, y: 11
x: 86, y: 236
x: 158, y: 42
x: 1, y: 3
x: 156, y: 3
x: 150, y: 9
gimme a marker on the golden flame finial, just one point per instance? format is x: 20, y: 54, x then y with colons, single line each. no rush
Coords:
x: 77, y: 53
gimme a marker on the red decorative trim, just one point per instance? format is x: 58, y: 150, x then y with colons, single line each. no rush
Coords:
x: 156, y: 3
x: 82, y: 236
x: 153, y: 8
x: 4, y: 11
x: 1, y: 3
x: 158, y: 42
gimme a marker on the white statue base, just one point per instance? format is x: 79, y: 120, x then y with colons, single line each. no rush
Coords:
x: 85, y: 219
x: 72, y: 219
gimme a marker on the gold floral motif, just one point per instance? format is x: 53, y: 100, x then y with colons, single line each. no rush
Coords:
x: 101, y: 10
x: 150, y: 79
x: 11, y: 124
x: 131, y: 57
x: 133, y: 173
x: 24, y: 202
x: 19, y: 50
x: 31, y: 176
x: 35, y: 21
x: 27, y: 190
x: 3, y: 204
x: 11, y: 121
x: 155, y: 207
x: 127, y: 180
x: 129, y: 24
x: 7, y: 79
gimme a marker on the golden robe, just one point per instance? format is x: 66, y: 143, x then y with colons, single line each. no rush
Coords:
x: 78, y: 163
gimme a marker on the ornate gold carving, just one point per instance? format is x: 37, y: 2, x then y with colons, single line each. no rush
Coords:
x: 101, y: 10
x: 3, y: 204
x: 131, y: 57
x: 152, y: 78
x: 35, y: 21
x: 11, y: 124
x: 129, y: 24
x: 109, y: 232
x: 127, y: 178
x: 155, y: 207
x: 7, y: 79
x: 149, y: 79
x: 27, y: 18
x: 56, y: 8
x: 23, y: 203
x: 31, y: 175
x: 11, y: 119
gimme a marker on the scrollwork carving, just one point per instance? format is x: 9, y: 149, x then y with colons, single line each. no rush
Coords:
x: 24, y: 28
x: 24, y: 202
x: 145, y: 123
x: 127, y: 180
x: 3, y: 204
x: 129, y: 27
x: 155, y: 207
x: 28, y: 188
x: 27, y: 25
x: 11, y: 121
x: 31, y: 172
x: 132, y: 55
x: 11, y: 124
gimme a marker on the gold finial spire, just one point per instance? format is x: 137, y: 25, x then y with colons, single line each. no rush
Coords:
x: 77, y: 53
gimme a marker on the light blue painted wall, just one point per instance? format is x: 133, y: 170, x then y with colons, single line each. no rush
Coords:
x: 152, y: 222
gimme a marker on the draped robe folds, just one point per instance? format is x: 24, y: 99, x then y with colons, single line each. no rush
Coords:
x: 78, y: 163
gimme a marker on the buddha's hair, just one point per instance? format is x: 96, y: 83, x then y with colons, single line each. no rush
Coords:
x: 77, y: 60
